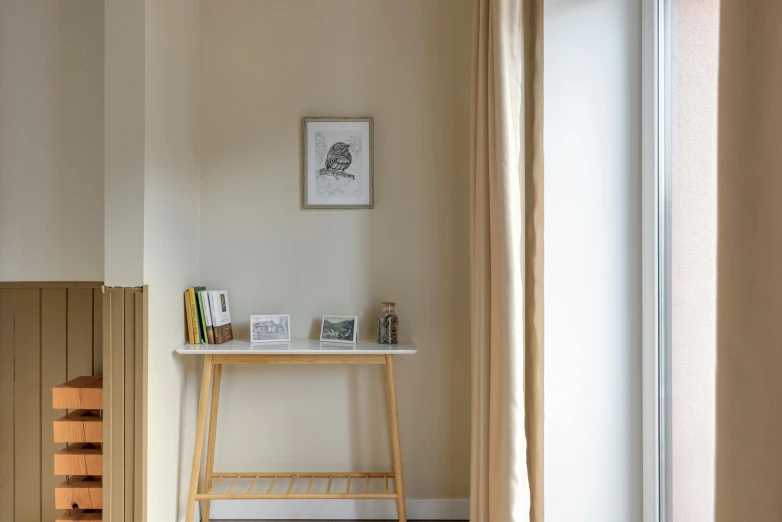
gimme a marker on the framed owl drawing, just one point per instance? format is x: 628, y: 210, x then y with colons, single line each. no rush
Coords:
x: 337, y: 166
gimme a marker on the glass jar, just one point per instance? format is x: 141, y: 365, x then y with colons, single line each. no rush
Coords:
x: 387, y: 324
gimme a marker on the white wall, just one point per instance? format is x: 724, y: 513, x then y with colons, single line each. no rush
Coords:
x: 264, y: 66
x: 695, y: 57
x: 592, y: 89
x: 51, y: 140
x: 171, y: 188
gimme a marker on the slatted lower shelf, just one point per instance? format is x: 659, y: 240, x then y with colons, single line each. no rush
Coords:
x: 295, y: 485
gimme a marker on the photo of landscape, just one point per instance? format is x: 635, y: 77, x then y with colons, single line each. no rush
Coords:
x: 338, y: 329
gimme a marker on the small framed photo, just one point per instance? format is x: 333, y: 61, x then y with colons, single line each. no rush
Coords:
x: 270, y: 328
x: 338, y: 164
x: 339, y: 329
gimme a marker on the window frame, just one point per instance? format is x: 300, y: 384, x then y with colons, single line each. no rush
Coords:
x: 656, y: 261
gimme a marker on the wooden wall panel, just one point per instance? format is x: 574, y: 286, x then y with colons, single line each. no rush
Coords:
x: 114, y: 370
x: 130, y: 395
x: 6, y: 404
x: 108, y: 425
x: 50, y: 333
x: 27, y: 405
x: 54, y: 360
x: 97, y: 331
x: 80, y: 332
x: 139, y: 463
x: 124, y: 386
x: 50, y: 284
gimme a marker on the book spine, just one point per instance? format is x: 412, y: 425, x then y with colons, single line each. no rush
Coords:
x: 194, y: 316
x: 187, y: 318
x: 201, y: 320
x: 215, y: 316
x: 210, y: 333
x: 214, y: 302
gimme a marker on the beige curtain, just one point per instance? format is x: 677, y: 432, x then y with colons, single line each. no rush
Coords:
x: 749, y: 263
x: 506, y: 262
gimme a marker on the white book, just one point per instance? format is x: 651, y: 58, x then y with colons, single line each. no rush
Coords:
x: 207, y: 308
x: 218, y: 303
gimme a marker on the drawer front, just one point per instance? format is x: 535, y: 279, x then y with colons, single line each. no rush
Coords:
x: 79, y: 426
x: 79, y: 459
x: 82, y: 393
x: 79, y: 493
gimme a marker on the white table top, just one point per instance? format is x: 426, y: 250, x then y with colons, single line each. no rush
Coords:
x: 298, y: 347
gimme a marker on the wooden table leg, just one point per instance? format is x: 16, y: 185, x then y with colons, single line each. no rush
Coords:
x: 396, y: 447
x: 210, y: 441
x: 199, y: 440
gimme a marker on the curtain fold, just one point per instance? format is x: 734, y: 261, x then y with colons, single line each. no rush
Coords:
x: 749, y: 263
x: 506, y: 262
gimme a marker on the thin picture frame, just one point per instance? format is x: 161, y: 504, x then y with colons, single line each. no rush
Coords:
x: 305, y: 202
x: 255, y: 337
x: 342, y: 317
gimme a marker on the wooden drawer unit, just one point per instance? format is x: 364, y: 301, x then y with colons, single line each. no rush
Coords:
x: 77, y: 514
x: 79, y: 426
x: 79, y: 458
x: 79, y: 493
x: 81, y: 429
x: 81, y: 393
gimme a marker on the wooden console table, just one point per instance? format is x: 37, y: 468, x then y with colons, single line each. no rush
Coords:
x: 293, y: 352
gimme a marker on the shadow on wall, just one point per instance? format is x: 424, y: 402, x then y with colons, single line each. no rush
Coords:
x: 188, y: 411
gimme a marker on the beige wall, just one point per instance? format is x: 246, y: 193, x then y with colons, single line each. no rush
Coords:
x: 124, y: 138
x: 264, y: 66
x: 170, y: 242
x: 51, y: 140
x: 152, y: 202
x: 694, y: 250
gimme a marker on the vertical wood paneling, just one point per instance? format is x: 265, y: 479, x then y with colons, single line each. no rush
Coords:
x: 39, y: 323
x: 142, y: 333
x: 97, y: 331
x: 138, y: 304
x: 108, y: 431
x: 130, y: 396
x: 54, y: 356
x: 140, y: 371
x: 79, y: 332
x: 27, y: 405
x: 116, y: 446
x: 6, y: 404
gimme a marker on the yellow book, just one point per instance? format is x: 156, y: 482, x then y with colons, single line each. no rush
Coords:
x: 188, y: 322
x: 194, y: 316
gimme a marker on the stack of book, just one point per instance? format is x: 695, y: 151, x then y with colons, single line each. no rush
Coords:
x: 207, y: 316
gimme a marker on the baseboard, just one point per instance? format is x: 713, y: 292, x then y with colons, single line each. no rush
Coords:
x: 197, y: 517
x: 417, y: 509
